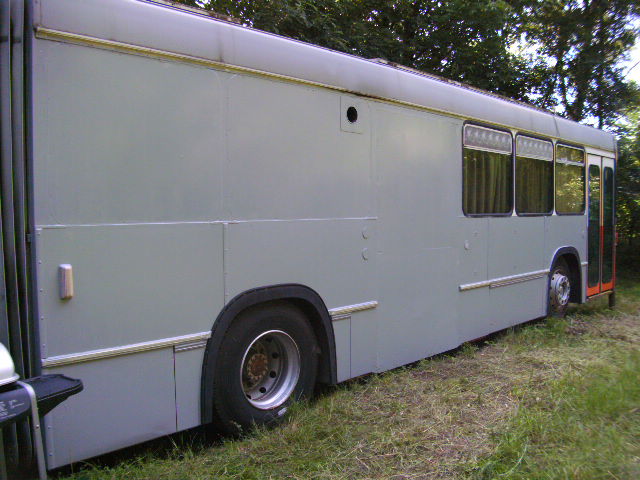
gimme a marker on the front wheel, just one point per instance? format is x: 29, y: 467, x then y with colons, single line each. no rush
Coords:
x: 559, y: 289
x: 268, y: 359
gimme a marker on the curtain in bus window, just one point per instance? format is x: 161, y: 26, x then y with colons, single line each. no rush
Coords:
x: 609, y: 234
x: 534, y: 186
x: 569, y: 180
x: 534, y: 175
x: 487, y: 182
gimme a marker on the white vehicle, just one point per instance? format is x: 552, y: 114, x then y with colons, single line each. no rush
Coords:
x: 202, y: 221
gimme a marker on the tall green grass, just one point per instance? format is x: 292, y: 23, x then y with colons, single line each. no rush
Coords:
x: 587, y: 427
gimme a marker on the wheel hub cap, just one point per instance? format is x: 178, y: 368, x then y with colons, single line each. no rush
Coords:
x: 270, y: 369
x: 257, y: 367
x: 560, y: 289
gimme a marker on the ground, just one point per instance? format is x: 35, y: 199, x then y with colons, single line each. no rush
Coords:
x: 556, y: 398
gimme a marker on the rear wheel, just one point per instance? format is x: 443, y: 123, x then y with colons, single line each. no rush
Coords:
x: 267, y: 359
x: 559, y: 289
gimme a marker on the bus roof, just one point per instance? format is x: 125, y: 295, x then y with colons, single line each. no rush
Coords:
x: 165, y: 31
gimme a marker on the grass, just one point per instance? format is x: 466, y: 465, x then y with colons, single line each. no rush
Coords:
x: 549, y: 400
x: 587, y: 426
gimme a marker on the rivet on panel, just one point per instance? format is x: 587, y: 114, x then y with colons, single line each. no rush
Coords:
x: 365, y: 233
x: 365, y: 253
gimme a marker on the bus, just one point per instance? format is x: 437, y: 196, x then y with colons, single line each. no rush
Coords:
x: 203, y: 221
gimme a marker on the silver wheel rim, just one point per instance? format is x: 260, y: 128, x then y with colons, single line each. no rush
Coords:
x: 560, y: 288
x: 270, y: 369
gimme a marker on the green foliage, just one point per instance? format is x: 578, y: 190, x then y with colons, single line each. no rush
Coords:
x: 463, y: 40
x: 628, y: 184
x: 581, y: 44
x: 587, y: 427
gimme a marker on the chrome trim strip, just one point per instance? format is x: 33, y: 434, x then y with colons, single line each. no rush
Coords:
x: 504, y: 281
x: 184, y: 347
x: 86, y: 40
x: 358, y: 307
x: 335, y: 318
x: 92, y: 355
x: 584, y: 264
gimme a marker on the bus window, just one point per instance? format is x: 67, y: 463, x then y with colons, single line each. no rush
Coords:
x: 534, y: 176
x: 487, y: 171
x: 569, y: 180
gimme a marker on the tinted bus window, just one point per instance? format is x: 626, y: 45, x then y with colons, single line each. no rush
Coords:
x: 569, y: 180
x: 534, y: 176
x: 487, y: 171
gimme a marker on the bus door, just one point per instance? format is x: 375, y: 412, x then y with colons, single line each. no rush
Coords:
x: 601, y: 225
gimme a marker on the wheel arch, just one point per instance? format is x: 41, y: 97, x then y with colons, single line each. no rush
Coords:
x: 572, y: 257
x: 305, y: 298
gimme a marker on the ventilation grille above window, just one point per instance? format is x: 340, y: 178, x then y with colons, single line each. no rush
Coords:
x: 534, y: 148
x: 481, y: 138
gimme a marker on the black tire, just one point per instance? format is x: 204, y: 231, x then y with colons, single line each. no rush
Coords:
x: 559, y: 289
x: 242, y: 366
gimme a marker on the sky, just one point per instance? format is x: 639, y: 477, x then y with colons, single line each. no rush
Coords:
x: 634, y: 58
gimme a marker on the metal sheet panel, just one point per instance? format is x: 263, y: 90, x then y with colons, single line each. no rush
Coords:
x: 567, y: 230
x: 326, y: 255
x: 124, y: 139
x: 287, y: 157
x: 342, y: 332
x: 517, y: 303
x: 126, y: 400
x: 133, y: 283
x: 516, y: 246
x: 188, y: 373
x: 310, y: 252
x: 418, y: 173
x: 473, y: 249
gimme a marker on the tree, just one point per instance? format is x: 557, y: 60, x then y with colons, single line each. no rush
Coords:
x: 581, y: 44
x: 628, y: 180
x: 463, y: 40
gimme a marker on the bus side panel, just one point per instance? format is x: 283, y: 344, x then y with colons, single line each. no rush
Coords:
x: 516, y: 247
x: 128, y: 162
x: 289, y: 156
x: 298, y: 185
x: 133, y: 283
x: 419, y: 176
x: 125, y: 139
x: 324, y: 255
x: 473, y: 247
x: 567, y: 231
x: 126, y: 400
x: 188, y: 372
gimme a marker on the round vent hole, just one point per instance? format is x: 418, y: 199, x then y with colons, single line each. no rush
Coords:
x: 352, y: 114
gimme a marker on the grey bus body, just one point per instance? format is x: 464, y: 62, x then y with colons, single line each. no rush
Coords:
x: 180, y: 165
